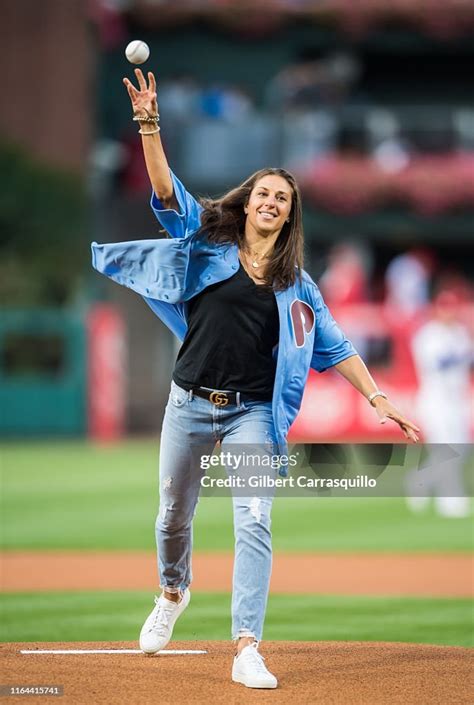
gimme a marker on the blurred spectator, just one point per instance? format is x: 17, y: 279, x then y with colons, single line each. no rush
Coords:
x: 443, y: 356
x: 306, y: 93
x: 311, y: 83
x: 179, y: 97
x: 407, y: 281
x: 225, y: 102
x: 183, y: 99
x: 345, y: 280
x: 389, y: 150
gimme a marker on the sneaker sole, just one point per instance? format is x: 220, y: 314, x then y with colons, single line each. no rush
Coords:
x: 247, y: 685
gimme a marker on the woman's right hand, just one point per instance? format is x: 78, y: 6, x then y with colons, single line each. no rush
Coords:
x: 143, y: 101
x: 144, y: 104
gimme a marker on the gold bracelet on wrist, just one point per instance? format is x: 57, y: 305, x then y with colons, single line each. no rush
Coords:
x: 146, y: 118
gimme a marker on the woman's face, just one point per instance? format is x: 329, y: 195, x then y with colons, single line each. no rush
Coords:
x: 269, y: 204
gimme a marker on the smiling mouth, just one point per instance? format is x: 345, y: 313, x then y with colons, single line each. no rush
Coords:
x: 267, y: 215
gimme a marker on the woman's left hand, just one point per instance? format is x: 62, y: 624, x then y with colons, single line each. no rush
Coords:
x: 385, y: 410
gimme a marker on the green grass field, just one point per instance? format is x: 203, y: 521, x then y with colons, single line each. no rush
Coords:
x: 117, y: 616
x: 72, y: 495
x: 76, y: 495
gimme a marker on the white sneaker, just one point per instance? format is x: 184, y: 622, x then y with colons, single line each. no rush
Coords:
x: 453, y: 507
x: 250, y: 670
x: 158, y: 627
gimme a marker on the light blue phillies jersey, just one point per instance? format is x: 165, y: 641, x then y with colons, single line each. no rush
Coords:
x: 168, y: 272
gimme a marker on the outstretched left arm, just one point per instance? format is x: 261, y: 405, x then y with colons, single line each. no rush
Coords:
x: 354, y: 370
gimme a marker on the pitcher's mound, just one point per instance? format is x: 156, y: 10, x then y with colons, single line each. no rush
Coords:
x: 326, y: 673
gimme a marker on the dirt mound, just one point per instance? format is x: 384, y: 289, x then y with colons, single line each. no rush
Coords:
x: 327, y: 673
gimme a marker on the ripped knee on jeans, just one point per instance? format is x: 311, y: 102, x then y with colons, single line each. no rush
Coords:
x: 270, y: 444
x: 255, y: 509
x: 167, y: 482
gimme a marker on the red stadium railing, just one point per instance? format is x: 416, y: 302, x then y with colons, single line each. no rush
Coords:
x: 430, y: 184
x: 441, y: 18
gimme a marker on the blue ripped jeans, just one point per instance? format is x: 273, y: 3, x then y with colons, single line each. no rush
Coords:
x: 192, y: 423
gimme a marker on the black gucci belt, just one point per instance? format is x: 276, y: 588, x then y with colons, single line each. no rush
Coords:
x: 217, y: 397
x: 222, y: 398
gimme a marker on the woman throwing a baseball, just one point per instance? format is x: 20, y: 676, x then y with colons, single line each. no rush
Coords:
x: 229, y: 283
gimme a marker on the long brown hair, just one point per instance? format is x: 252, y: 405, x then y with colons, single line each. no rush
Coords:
x: 223, y: 220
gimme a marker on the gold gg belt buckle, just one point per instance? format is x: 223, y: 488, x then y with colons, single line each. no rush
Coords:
x: 219, y: 398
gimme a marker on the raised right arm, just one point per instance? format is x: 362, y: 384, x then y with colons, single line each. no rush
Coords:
x: 144, y: 103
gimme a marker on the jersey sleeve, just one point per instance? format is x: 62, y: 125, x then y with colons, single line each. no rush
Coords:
x: 330, y: 344
x: 180, y: 223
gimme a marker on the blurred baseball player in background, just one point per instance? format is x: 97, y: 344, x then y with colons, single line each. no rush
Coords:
x: 442, y: 352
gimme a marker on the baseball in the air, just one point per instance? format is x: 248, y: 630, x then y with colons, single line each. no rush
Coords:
x: 137, y: 52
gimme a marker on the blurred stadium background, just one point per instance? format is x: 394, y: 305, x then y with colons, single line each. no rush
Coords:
x: 370, y: 104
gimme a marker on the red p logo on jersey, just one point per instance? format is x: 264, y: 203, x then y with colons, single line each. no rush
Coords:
x: 302, y: 317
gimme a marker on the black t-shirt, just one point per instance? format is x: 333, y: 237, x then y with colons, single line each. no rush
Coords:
x: 233, y: 327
